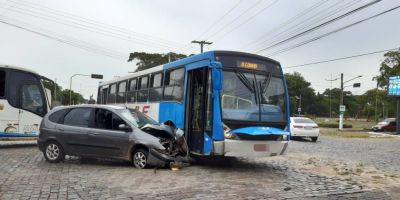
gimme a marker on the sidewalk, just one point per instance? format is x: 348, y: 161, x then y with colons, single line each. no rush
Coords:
x: 17, y: 143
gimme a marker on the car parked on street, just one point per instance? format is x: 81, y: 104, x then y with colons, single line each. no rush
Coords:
x: 387, y: 125
x: 304, y: 127
x: 104, y: 131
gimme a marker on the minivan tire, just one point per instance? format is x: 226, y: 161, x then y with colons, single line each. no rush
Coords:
x: 53, y: 152
x: 139, y: 159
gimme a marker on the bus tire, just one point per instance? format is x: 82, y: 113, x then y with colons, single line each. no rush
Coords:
x: 53, y: 152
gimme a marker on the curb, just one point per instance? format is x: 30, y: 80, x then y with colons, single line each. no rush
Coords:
x: 14, y: 144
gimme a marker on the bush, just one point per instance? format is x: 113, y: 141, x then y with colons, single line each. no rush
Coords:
x: 332, y: 125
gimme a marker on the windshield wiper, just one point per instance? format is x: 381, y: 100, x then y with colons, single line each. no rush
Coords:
x: 264, y: 85
x: 245, y: 81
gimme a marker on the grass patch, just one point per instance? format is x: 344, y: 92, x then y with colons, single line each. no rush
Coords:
x: 344, y: 134
x: 360, y: 124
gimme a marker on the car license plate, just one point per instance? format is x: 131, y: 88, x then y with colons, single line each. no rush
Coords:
x: 308, y: 128
x: 260, y: 147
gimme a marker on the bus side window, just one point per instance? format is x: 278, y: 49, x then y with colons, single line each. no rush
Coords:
x: 155, y: 92
x: 174, y: 80
x: 142, y: 94
x: 121, y: 97
x: 131, y: 96
x: 32, y: 99
x: 112, y: 93
x: 2, y: 83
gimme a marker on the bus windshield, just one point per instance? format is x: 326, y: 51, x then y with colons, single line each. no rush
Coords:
x: 253, y: 97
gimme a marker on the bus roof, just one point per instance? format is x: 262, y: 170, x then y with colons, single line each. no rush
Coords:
x: 17, y: 68
x: 209, y: 55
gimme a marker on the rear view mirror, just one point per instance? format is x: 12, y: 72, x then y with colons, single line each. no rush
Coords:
x: 124, y: 127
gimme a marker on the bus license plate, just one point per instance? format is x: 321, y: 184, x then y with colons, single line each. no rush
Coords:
x: 260, y: 147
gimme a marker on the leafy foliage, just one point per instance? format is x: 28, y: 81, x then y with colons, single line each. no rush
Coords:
x: 389, y: 67
x: 149, y: 60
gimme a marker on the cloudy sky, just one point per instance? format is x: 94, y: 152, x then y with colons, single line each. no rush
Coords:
x: 61, y: 38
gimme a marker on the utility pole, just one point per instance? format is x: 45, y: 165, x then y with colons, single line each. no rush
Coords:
x: 330, y: 96
x: 202, y: 43
x: 341, y: 102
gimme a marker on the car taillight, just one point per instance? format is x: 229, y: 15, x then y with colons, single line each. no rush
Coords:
x: 297, y: 126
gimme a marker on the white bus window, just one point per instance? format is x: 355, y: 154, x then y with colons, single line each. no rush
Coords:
x: 174, y: 80
x: 131, y: 96
x: 32, y: 99
x: 155, y: 87
x: 2, y: 83
x: 121, y: 97
x: 143, y: 92
x: 113, y: 92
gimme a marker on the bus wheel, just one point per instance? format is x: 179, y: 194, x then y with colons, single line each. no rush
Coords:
x: 140, y: 158
x: 54, y: 152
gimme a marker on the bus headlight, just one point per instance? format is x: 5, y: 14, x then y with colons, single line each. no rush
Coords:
x: 227, y: 133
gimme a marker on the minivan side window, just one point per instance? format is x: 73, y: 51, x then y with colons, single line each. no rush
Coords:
x: 2, y: 83
x: 78, y: 117
x: 105, y: 119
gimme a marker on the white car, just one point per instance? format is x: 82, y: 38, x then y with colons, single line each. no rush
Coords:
x: 304, y: 127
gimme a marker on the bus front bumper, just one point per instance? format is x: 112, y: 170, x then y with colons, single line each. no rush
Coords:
x: 252, y: 148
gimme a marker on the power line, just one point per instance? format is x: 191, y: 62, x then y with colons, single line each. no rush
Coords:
x: 71, y: 16
x: 219, y: 19
x: 287, y: 22
x: 233, y: 20
x: 247, y: 20
x: 332, y: 32
x: 84, y: 26
x: 67, y: 41
x: 342, y: 58
x: 320, y: 25
x: 309, y: 22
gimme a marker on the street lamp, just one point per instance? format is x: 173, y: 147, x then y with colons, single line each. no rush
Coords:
x: 341, y: 96
x: 330, y: 96
x: 94, y: 76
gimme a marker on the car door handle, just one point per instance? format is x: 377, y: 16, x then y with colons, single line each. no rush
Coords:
x: 60, y: 129
x: 93, y: 133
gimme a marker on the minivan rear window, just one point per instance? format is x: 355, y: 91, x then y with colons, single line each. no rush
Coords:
x: 57, y: 116
x: 78, y: 117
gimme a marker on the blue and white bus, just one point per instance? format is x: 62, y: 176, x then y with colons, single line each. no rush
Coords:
x: 227, y: 103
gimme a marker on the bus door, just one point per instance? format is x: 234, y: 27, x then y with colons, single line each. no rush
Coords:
x: 198, y: 117
x: 32, y: 107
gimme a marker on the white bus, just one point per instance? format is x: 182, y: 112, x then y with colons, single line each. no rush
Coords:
x: 23, y: 101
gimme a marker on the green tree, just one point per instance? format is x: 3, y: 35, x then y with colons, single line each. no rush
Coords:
x: 149, y: 60
x: 389, y: 67
x: 297, y: 86
x: 75, y: 97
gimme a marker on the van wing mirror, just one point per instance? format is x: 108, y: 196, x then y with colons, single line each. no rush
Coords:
x: 124, y: 127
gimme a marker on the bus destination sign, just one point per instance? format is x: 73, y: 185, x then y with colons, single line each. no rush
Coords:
x: 394, y: 86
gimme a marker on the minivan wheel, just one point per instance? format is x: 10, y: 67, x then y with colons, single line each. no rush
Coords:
x: 54, y: 152
x: 140, y: 158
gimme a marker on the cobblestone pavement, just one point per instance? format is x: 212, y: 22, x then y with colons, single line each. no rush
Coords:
x: 379, y: 152
x: 24, y: 174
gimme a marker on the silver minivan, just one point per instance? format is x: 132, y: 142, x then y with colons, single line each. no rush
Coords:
x: 104, y: 131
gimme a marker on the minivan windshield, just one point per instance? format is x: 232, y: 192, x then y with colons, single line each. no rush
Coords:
x: 137, y: 118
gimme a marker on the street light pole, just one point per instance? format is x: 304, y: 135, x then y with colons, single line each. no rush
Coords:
x: 330, y: 96
x: 341, y: 97
x: 70, y: 86
x: 95, y: 76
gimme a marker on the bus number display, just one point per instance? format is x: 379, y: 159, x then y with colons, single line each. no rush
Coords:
x: 247, y: 65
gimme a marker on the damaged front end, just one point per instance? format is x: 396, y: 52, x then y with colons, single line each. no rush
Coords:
x: 173, y: 141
